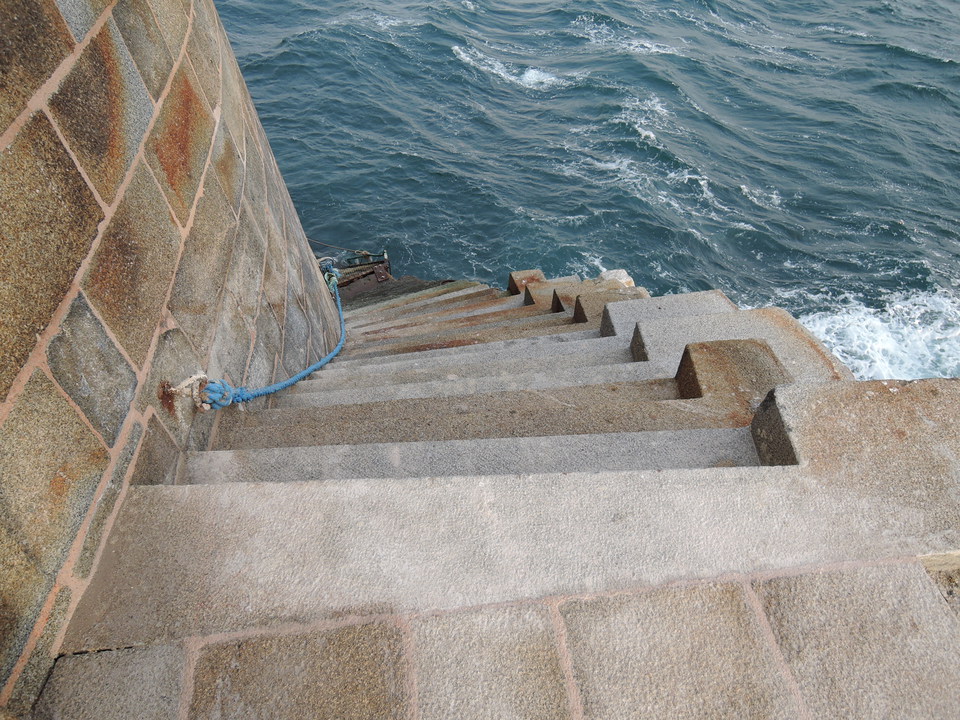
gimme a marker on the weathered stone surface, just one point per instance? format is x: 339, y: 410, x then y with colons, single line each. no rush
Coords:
x: 255, y: 182
x: 144, y: 39
x: 874, y: 642
x: 106, y: 502
x: 81, y: 14
x: 180, y: 142
x: 231, y: 344
x: 203, y: 49
x: 275, y: 270
x: 50, y: 464
x: 228, y: 167
x: 196, y: 559
x: 173, y: 362
x: 296, y: 337
x: 23, y: 589
x: 489, y: 663
x: 114, y: 685
x: 171, y: 17
x: 246, y: 267
x: 131, y: 271
x: 87, y: 364
x: 350, y: 673
x: 157, y: 461
x: 35, y: 41
x: 207, y: 250
x: 41, y: 660
x: 103, y: 109
x: 687, y: 652
x: 234, y: 99
x: 48, y: 212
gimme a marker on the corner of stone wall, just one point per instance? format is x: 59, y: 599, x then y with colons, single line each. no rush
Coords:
x: 146, y: 235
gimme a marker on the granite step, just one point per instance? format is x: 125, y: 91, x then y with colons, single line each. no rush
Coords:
x: 658, y: 308
x: 187, y: 561
x: 717, y: 385
x: 496, y: 456
x: 481, y: 307
x: 451, y: 369
x: 411, y: 299
x: 437, y: 337
x: 458, y: 382
x: 466, y: 298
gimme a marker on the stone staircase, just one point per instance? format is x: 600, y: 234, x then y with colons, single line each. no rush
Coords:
x: 564, y: 500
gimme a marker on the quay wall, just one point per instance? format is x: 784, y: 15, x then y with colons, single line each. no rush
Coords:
x: 146, y: 235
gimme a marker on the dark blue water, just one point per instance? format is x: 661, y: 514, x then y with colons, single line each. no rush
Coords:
x: 804, y: 154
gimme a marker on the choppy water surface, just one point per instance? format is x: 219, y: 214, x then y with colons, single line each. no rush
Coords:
x: 804, y: 154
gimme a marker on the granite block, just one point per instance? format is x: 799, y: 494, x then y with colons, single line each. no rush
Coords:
x: 23, y: 589
x: 144, y: 40
x: 87, y: 364
x: 173, y: 362
x: 171, y: 18
x: 81, y: 14
x: 106, y: 503
x: 231, y: 344
x: 203, y: 49
x: 234, y: 98
x: 179, y: 144
x: 141, y: 683
x: 275, y: 271
x: 944, y: 570
x: 245, y: 274
x: 228, y: 166
x: 490, y: 663
x: 49, y: 212
x: 45, y: 495
x: 157, y: 461
x: 199, y: 280
x: 41, y: 660
x: 35, y: 41
x: 131, y: 272
x: 873, y: 642
x: 686, y: 652
x: 351, y: 673
x: 255, y: 181
x: 103, y: 109
x: 296, y: 338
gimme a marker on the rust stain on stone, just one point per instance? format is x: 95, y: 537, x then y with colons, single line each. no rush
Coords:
x: 174, y: 146
x: 167, y: 398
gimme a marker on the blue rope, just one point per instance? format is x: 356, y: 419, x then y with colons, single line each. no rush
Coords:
x: 220, y: 394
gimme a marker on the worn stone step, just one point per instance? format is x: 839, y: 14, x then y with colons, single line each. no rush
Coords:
x: 436, y: 337
x: 480, y: 307
x: 729, y: 447
x: 416, y: 326
x: 663, y: 341
x: 187, y: 561
x: 668, y: 306
x: 405, y: 313
x: 473, y: 365
x: 718, y: 385
x: 485, y: 379
x: 422, y: 296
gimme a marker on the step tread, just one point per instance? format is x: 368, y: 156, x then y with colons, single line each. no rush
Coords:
x: 496, y: 456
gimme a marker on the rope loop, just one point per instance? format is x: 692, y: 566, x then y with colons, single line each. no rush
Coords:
x: 218, y: 394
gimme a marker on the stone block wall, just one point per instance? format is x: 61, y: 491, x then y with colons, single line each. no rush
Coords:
x: 145, y: 235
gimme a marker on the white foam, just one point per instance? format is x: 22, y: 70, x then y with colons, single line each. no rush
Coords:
x: 602, y: 35
x: 533, y: 78
x: 911, y: 336
x: 768, y: 199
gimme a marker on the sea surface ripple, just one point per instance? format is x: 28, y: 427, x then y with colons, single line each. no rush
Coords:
x: 804, y: 154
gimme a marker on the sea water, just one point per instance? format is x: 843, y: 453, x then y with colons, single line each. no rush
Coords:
x: 804, y: 154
